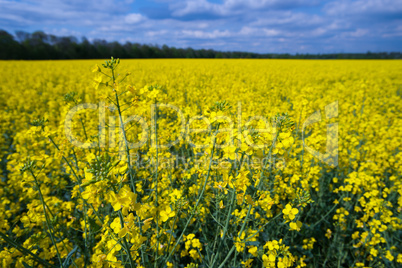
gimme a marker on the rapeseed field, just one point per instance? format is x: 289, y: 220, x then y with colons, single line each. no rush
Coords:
x: 201, y: 163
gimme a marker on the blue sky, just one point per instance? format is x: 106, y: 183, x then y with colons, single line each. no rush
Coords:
x: 264, y: 26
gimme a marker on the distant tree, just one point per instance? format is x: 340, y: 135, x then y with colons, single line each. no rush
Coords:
x: 22, y: 36
x: 9, y: 48
x: 40, y: 45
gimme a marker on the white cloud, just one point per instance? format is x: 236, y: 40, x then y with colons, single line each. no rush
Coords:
x: 194, y: 6
x: 253, y: 31
x: 344, y: 7
x: 278, y: 25
x: 134, y: 18
x: 289, y: 17
x: 257, y: 4
x: 156, y: 33
x: 359, y: 33
x: 233, y: 7
x: 206, y: 35
x: 270, y: 32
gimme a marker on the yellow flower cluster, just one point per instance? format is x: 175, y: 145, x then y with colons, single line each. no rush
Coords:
x: 201, y: 163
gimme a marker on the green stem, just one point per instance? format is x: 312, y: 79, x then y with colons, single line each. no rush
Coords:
x: 125, y: 243
x: 198, y: 201
x: 130, y: 168
x: 49, y: 225
x: 227, y: 257
x: 25, y: 251
x: 229, y: 215
x: 156, y: 185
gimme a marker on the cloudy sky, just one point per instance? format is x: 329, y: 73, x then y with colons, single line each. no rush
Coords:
x: 264, y: 26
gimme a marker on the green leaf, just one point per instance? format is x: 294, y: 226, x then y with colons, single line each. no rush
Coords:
x: 67, y: 260
x: 26, y: 265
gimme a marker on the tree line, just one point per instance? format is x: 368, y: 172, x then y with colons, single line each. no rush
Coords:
x: 40, y: 46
